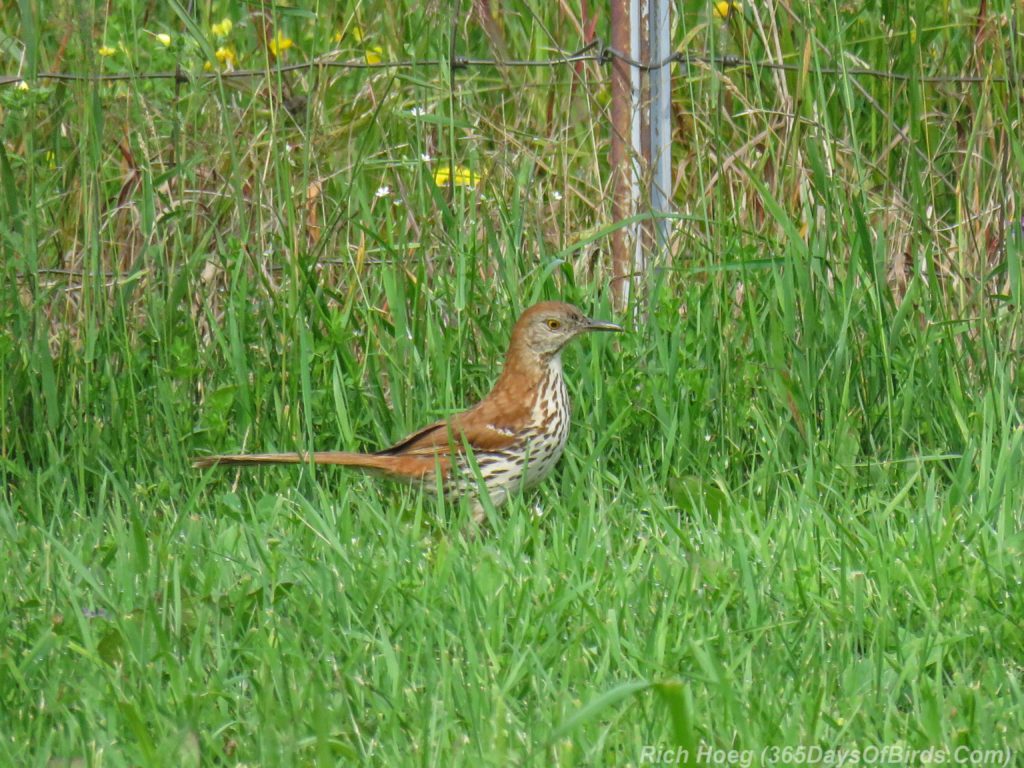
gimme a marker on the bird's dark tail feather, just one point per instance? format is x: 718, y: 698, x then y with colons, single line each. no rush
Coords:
x: 339, y: 458
x: 408, y: 468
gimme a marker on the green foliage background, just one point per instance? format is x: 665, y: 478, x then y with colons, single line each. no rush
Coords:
x: 790, y: 510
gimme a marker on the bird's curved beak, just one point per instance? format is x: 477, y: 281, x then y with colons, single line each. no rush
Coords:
x: 601, y: 325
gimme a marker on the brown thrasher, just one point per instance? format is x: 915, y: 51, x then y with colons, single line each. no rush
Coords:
x: 516, y: 433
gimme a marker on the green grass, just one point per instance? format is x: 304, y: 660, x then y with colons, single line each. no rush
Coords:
x: 789, y: 513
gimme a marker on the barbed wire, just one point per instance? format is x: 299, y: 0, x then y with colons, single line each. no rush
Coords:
x: 595, y: 51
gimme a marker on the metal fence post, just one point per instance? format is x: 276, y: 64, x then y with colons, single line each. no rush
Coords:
x: 623, y: 200
x: 642, y: 116
x: 660, y: 117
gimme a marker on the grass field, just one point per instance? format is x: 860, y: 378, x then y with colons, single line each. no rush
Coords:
x: 790, y: 511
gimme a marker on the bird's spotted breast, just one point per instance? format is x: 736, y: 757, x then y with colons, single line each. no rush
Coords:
x: 530, y: 458
x: 550, y: 428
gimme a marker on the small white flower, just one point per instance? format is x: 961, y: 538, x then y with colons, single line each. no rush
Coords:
x: 383, y: 191
x: 555, y: 194
x: 425, y: 157
x: 417, y: 111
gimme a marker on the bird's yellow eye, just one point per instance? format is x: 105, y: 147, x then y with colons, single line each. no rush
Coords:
x: 553, y: 324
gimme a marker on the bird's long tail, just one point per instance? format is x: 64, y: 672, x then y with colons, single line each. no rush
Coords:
x: 400, y: 467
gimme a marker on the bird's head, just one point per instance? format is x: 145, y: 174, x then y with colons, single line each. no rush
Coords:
x: 544, y: 329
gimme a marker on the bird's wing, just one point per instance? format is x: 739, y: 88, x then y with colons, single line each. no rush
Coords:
x: 429, y: 439
x: 490, y: 425
x: 452, y: 435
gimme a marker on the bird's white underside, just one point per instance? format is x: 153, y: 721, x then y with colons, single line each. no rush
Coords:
x: 542, y: 454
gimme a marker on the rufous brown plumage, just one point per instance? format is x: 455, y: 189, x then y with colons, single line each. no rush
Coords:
x: 516, y: 433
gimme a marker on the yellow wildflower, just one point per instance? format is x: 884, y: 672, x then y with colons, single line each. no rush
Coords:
x: 164, y: 39
x: 226, y: 55
x: 459, y: 176
x: 723, y: 9
x: 280, y: 44
x: 22, y: 85
x: 357, y: 33
x: 222, y: 28
x: 106, y: 50
x: 373, y: 54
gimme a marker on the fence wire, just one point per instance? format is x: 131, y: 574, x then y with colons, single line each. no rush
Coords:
x: 595, y: 51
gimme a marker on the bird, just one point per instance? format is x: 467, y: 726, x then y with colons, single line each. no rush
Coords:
x: 515, y: 434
